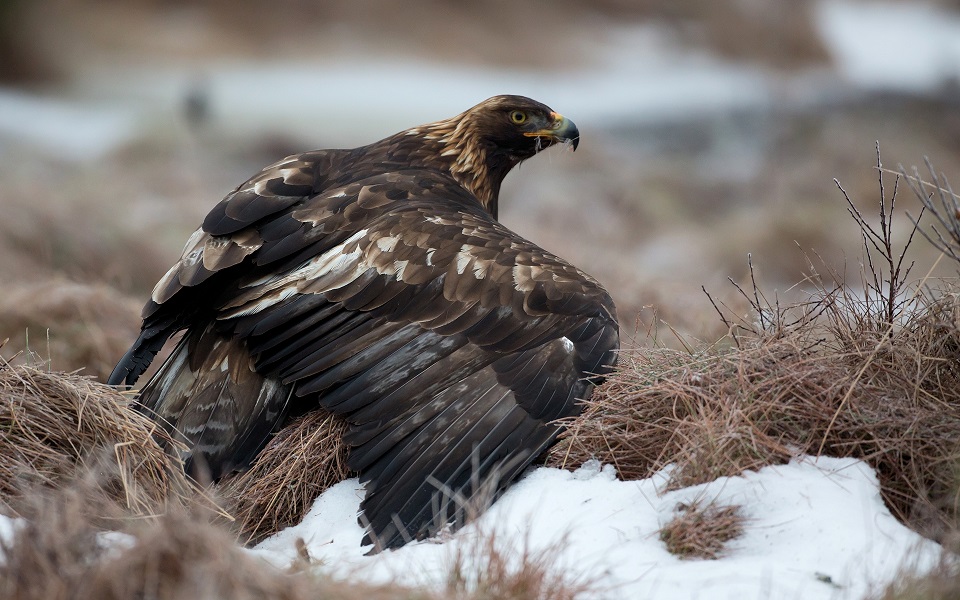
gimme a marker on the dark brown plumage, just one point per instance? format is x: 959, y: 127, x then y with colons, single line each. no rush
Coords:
x: 376, y: 283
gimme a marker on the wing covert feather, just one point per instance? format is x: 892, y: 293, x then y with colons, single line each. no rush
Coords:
x: 446, y: 341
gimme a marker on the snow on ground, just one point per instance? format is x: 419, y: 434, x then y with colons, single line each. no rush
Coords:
x: 817, y: 528
x: 8, y: 528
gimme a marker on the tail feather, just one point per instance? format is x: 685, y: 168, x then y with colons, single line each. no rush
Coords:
x: 209, y: 396
x: 139, y: 356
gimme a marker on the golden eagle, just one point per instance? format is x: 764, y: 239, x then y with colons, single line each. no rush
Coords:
x: 376, y: 283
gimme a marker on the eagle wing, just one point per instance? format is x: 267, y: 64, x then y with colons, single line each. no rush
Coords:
x: 445, y: 340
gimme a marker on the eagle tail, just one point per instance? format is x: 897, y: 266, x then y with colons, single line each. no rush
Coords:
x: 209, y: 396
x: 140, y: 355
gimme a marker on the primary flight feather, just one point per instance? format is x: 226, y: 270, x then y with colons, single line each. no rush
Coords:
x: 377, y: 284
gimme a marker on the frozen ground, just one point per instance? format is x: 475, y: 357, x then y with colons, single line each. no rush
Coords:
x: 816, y: 528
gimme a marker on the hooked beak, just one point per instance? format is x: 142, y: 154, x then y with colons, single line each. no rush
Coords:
x: 560, y: 129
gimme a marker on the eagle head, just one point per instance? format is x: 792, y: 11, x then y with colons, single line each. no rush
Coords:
x: 515, y: 127
x: 482, y: 144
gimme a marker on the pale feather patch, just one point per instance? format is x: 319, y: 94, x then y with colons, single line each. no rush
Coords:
x: 522, y: 280
x: 265, y: 280
x: 213, y: 251
x: 387, y: 244
x: 264, y: 302
x: 192, y: 258
x: 463, y: 258
x: 158, y: 295
x: 291, y: 174
x: 194, y: 242
x: 480, y: 268
x: 260, y: 187
x: 567, y: 344
x: 333, y: 261
x: 398, y: 266
x: 293, y: 158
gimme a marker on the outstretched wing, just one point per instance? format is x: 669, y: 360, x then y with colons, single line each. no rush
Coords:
x: 445, y: 340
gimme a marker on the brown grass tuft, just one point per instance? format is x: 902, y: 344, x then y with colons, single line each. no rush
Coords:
x: 701, y: 530
x: 62, y: 554
x: 492, y: 569
x: 915, y: 582
x: 941, y: 584
x: 868, y: 371
x: 53, y: 424
x: 75, y: 460
x: 890, y: 398
x: 300, y: 463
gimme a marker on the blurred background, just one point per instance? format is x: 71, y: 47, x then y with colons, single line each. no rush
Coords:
x: 711, y: 129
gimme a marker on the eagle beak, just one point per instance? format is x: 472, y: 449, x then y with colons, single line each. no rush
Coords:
x: 561, y: 129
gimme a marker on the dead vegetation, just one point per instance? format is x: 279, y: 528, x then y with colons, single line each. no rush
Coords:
x: 55, y: 425
x: 61, y: 553
x: 871, y: 372
x: 68, y: 325
x: 105, y: 513
x: 702, y: 529
x: 783, y: 35
x: 942, y: 582
x: 498, y: 567
x: 300, y: 463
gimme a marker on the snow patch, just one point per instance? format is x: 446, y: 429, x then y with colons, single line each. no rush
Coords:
x: 817, y: 528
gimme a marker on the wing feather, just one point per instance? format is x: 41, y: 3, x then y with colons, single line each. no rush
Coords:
x: 394, y: 300
x: 208, y: 394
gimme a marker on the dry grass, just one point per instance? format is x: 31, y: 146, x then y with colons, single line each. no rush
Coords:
x: 701, y: 530
x: 74, y: 460
x: 62, y: 554
x: 300, y: 463
x: 54, y: 424
x: 68, y: 325
x: 871, y: 374
x: 75, y: 229
x: 494, y: 568
x: 941, y: 584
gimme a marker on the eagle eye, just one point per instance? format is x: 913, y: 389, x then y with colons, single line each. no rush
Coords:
x: 518, y: 116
